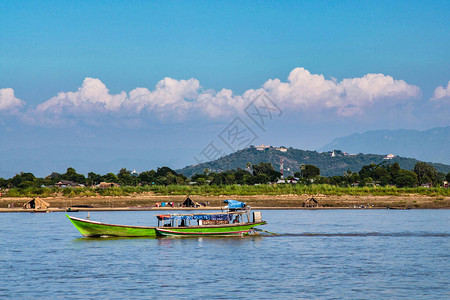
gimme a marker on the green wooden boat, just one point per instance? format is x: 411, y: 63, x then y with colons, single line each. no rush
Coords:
x: 90, y: 228
x: 235, y: 221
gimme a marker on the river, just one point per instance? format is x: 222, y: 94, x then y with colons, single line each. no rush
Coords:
x: 326, y: 254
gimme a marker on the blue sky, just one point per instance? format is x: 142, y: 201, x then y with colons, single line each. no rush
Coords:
x: 167, y: 77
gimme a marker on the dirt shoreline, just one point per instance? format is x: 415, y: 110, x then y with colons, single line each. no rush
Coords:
x: 147, y: 201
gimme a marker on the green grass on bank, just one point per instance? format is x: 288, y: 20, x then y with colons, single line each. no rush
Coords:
x: 241, y: 190
x: 286, y: 189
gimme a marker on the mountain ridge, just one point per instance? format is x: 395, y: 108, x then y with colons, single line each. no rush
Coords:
x: 331, y: 163
x: 428, y: 145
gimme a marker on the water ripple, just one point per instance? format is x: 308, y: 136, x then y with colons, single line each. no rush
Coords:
x: 368, y: 234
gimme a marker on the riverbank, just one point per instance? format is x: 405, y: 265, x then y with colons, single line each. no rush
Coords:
x: 148, y: 201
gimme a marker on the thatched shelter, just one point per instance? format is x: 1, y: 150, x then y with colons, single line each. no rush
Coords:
x: 107, y: 185
x: 188, y: 203
x: 311, y: 202
x: 37, y: 203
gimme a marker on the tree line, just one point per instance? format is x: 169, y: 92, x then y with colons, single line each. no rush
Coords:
x: 262, y: 173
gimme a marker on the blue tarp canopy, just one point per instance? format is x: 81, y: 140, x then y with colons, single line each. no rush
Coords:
x: 214, y: 217
x: 221, y: 217
x: 234, y: 204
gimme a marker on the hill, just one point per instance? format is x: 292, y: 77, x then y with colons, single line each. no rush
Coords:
x: 329, y: 165
x: 429, y: 145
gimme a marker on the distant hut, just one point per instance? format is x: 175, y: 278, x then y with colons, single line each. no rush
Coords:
x: 311, y: 202
x: 68, y: 183
x: 36, y: 203
x: 106, y: 185
x: 188, y: 203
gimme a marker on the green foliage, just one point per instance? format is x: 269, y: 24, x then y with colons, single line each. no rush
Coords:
x: 373, y: 179
x: 147, y: 177
x: 405, y: 178
x: 162, y: 172
x: 111, y: 177
x: 309, y: 171
x: 426, y: 173
x: 72, y: 175
x: 125, y: 178
x: 3, y: 183
x: 93, y: 178
x: 263, y: 168
x: 22, y: 180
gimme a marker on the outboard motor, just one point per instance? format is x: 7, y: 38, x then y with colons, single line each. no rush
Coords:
x: 257, y: 217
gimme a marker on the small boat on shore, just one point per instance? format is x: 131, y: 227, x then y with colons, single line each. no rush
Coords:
x: 237, y: 220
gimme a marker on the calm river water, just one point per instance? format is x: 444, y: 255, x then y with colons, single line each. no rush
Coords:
x: 364, y: 254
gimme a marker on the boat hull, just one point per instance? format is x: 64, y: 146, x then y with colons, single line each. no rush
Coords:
x: 95, y: 229
x: 90, y: 228
x: 221, y: 230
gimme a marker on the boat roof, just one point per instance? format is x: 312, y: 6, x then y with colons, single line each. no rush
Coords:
x: 198, y: 216
x: 234, y: 204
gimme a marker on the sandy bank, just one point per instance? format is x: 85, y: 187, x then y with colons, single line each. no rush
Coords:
x: 148, y: 201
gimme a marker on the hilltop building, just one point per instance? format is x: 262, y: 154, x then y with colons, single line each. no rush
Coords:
x: 263, y: 147
x: 389, y: 156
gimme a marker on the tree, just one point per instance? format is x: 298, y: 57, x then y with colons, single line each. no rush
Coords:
x: 310, y: 171
x: 262, y: 168
x: 447, y: 177
x: 393, y: 169
x: 262, y: 178
x: 181, y: 179
x: 163, y: 171
x: 125, y: 177
x: 365, y: 181
x: 171, y: 179
x: 93, y: 178
x: 147, y: 177
x: 3, y: 183
x: 267, y: 169
x: 201, y: 181
x: 54, y: 177
x: 354, y: 177
x: 111, y: 177
x: 23, y: 180
x: 405, y: 178
x: 381, y: 175
x: 440, y: 178
x: 366, y: 171
x: 241, y: 175
x: 425, y: 173
x: 72, y: 175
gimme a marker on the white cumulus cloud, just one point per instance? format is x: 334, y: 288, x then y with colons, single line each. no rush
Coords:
x: 8, y: 101
x: 92, y: 94
x: 174, y: 99
x: 441, y: 93
x: 350, y: 96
